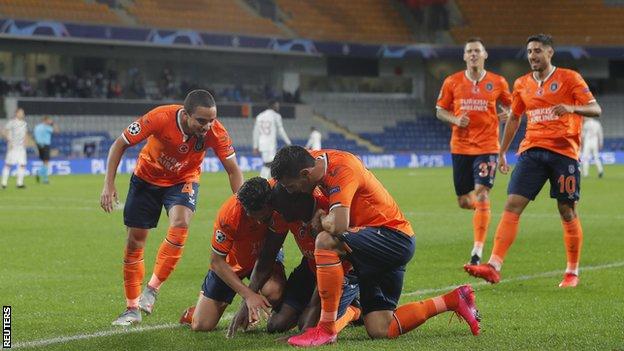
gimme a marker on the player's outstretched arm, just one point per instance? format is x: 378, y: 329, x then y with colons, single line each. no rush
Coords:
x: 109, y: 192
x: 511, y: 128
x: 248, y: 312
x: 234, y: 172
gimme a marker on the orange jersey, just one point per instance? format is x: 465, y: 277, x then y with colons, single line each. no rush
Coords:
x: 239, y: 237
x: 302, y: 232
x: 460, y: 94
x: 348, y: 183
x: 171, y: 157
x: 560, y: 134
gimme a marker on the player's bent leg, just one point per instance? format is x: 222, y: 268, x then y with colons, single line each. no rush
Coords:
x: 169, y: 254
x: 573, y: 240
x: 411, y: 315
x: 377, y: 323
x: 207, y: 313
x: 505, y: 235
x: 283, y: 320
x: 466, y: 201
x: 273, y: 289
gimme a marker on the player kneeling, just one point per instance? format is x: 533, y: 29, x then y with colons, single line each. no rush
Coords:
x: 243, y: 223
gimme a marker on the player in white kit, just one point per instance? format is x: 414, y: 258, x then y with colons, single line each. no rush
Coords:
x: 268, y: 125
x: 592, y: 143
x: 15, y: 133
x: 314, y: 142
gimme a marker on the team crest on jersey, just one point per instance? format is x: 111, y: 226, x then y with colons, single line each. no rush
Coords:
x: 183, y: 149
x: 134, y: 128
x: 489, y: 86
x: 199, y: 144
x: 554, y: 86
x: 571, y: 169
x: 220, y: 236
x: 540, y: 91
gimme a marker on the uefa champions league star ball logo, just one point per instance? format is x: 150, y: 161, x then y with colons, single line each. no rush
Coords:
x: 134, y: 128
x: 219, y: 236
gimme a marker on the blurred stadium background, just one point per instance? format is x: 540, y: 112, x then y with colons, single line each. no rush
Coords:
x: 365, y: 72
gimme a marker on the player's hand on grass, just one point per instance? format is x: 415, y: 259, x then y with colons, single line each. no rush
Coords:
x: 240, y: 321
x: 503, y: 167
x: 462, y: 121
x: 108, y: 198
x: 562, y: 109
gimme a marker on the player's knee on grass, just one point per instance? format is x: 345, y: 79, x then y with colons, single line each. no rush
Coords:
x: 377, y: 323
x: 273, y: 289
x: 283, y: 320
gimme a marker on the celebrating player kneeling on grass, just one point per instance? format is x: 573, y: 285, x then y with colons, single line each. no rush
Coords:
x: 365, y: 225
x: 301, y: 304
x: 554, y: 101
x: 244, y: 222
x: 167, y: 174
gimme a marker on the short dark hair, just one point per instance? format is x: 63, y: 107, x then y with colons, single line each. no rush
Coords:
x: 272, y: 102
x: 474, y: 40
x: 545, y: 39
x: 293, y: 207
x: 198, y: 98
x: 289, y: 161
x: 254, y: 194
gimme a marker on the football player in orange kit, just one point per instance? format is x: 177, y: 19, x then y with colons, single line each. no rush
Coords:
x: 467, y: 101
x: 365, y: 226
x: 554, y: 100
x: 245, y: 222
x: 167, y: 174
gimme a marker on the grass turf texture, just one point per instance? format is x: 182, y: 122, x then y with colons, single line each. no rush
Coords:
x: 61, y: 269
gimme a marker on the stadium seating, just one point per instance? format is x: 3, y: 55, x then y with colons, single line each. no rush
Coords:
x: 224, y: 16
x: 371, y: 21
x: 590, y: 22
x: 61, y: 10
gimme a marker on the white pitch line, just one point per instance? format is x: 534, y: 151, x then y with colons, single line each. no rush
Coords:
x: 229, y: 315
x: 127, y: 330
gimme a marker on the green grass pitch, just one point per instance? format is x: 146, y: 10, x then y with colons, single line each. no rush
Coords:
x: 61, y: 270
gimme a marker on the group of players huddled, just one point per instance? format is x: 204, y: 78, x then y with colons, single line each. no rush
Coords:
x: 354, y: 240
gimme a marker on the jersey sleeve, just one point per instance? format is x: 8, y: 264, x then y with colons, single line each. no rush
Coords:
x: 222, y: 237
x: 219, y: 140
x: 341, y: 184
x: 445, y: 98
x: 517, y: 104
x: 145, y: 126
x: 580, y: 90
x: 505, y: 96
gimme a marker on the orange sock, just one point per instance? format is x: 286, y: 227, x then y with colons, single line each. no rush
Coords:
x: 168, y: 256
x: 329, y: 277
x: 351, y: 314
x: 133, y: 271
x: 409, y: 316
x: 573, y: 239
x: 505, y: 236
x: 480, y: 224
